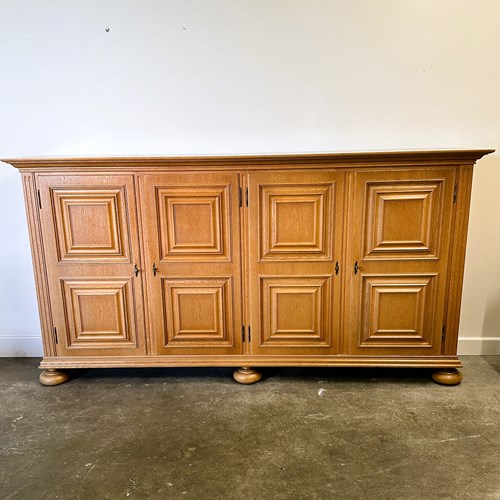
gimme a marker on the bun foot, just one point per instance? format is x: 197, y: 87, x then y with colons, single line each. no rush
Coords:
x: 447, y: 376
x: 53, y: 377
x: 246, y: 375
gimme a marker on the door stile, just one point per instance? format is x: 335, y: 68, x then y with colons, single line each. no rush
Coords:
x: 245, y: 272
x: 143, y: 260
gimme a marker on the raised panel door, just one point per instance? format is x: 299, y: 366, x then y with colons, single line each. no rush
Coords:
x: 399, y: 242
x: 294, y: 235
x: 91, y: 245
x: 192, y: 231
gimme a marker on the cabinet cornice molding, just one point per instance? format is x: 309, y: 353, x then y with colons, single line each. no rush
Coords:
x: 296, y: 160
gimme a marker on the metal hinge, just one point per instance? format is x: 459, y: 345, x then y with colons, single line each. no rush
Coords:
x: 55, y: 335
x: 455, y: 193
x: 443, y: 333
x: 240, y: 196
x: 39, y: 199
x: 249, y: 334
x: 243, y: 333
x: 246, y: 191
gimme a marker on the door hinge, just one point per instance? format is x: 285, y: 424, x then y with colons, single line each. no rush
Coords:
x: 455, y: 193
x: 55, y: 335
x: 246, y: 192
x: 240, y: 196
x: 443, y: 333
x: 39, y: 198
x: 243, y: 333
x: 337, y: 268
x: 249, y: 334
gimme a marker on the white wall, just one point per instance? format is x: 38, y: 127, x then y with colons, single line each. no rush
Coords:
x: 229, y: 76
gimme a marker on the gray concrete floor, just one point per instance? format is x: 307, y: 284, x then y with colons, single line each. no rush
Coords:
x: 298, y: 434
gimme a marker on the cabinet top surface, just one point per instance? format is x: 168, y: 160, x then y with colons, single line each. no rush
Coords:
x: 455, y: 156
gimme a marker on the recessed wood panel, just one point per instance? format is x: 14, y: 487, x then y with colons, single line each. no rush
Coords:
x: 99, y: 313
x: 193, y: 223
x: 89, y: 224
x: 198, y: 310
x: 403, y: 219
x: 296, y: 222
x: 398, y: 311
x: 295, y: 310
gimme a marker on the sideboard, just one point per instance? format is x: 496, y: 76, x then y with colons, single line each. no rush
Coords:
x: 347, y: 259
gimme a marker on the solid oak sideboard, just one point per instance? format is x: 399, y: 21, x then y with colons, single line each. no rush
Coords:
x: 352, y: 259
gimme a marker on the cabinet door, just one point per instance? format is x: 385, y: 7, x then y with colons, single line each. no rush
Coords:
x: 294, y: 241
x: 192, y: 227
x: 90, y: 240
x: 399, y: 237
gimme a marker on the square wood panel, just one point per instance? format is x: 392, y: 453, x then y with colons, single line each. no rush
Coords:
x: 295, y: 310
x: 403, y: 219
x: 398, y: 311
x: 198, y: 311
x: 296, y: 222
x: 89, y: 224
x: 193, y: 223
x: 99, y: 313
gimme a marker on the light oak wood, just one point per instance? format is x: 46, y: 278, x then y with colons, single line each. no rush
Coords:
x: 350, y: 259
x: 294, y: 240
x: 53, y: 377
x: 259, y: 360
x: 400, y: 235
x: 447, y: 376
x: 247, y: 375
x: 96, y: 299
x: 192, y: 230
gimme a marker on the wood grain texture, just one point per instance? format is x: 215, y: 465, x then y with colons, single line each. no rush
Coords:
x: 457, y: 258
x: 159, y: 361
x: 192, y: 236
x: 254, y: 259
x: 298, y: 160
x: 294, y: 241
x: 96, y: 300
x: 39, y: 265
x: 398, y: 294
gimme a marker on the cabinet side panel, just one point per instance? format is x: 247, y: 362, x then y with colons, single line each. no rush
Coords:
x: 35, y: 235
x: 459, y: 240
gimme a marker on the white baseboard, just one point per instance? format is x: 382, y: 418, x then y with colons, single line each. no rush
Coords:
x: 21, y: 347
x: 478, y: 345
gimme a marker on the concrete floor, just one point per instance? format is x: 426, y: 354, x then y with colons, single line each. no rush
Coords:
x: 298, y: 434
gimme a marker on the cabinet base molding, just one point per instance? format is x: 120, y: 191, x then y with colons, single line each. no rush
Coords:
x: 341, y: 361
x: 246, y: 375
x: 53, y: 377
x: 447, y: 376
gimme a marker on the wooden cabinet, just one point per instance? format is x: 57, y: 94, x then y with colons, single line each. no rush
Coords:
x: 299, y: 260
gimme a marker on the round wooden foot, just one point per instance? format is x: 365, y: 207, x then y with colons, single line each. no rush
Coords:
x: 447, y: 376
x: 53, y: 377
x: 246, y: 375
